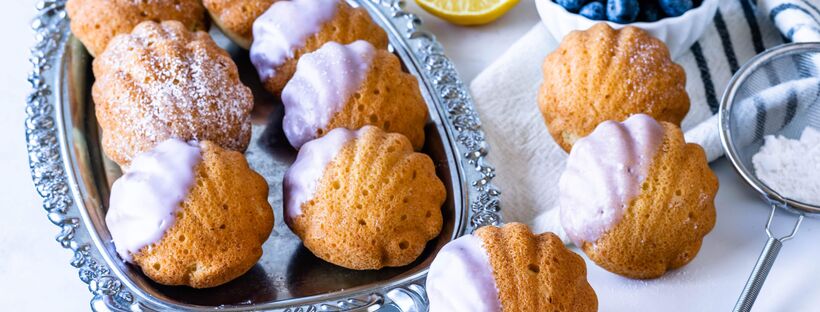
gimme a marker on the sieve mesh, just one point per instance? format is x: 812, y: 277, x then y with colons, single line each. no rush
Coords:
x: 777, y: 93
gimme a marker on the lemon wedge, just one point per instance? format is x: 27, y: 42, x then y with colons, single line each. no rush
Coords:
x: 467, y: 12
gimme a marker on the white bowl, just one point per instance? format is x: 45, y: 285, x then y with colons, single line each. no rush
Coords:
x: 679, y: 33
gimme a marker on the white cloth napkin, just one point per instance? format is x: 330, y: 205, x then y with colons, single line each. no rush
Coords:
x: 529, y: 163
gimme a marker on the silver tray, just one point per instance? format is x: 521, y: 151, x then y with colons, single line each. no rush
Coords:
x: 73, y: 177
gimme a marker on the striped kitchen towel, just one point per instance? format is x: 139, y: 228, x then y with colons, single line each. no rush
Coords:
x: 529, y: 163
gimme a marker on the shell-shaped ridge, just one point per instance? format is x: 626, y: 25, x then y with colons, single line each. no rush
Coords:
x: 536, y: 272
x: 604, y: 74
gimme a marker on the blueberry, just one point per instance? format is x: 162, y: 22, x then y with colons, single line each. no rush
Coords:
x: 675, y: 7
x: 650, y: 11
x: 571, y: 5
x: 622, y: 11
x: 594, y: 11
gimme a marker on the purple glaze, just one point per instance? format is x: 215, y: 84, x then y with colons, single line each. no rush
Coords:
x: 307, y: 171
x: 144, y: 201
x: 283, y: 28
x: 461, y: 278
x: 604, y: 172
x: 323, y: 83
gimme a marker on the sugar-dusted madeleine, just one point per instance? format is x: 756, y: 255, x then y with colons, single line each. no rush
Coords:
x: 636, y: 198
x: 363, y: 199
x: 163, y: 81
x: 190, y: 214
x: 96, y: 22
x: 235, y: 17
x: 508, y: 268
x: 292, y: 28
x: 350, y: 86
x: 604, y: 74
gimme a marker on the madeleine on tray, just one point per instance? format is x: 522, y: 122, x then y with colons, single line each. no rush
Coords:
x: 163, y: 81
x: 190, y: 213
x: 350, y: 86
x: 363, y: 199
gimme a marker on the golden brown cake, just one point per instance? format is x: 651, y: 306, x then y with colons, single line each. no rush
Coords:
x: 350, y: 86
x: 96, y: 22
x: 636, y: 198
x: 235, y: 17
x: 163, y: 81
x: 509, y: 269
x: 604, y: 74
x: 290, y: 29
x: 363, y: 199
x: 190, y: 214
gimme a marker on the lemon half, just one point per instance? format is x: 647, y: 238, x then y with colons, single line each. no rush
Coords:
x: 467, y: 12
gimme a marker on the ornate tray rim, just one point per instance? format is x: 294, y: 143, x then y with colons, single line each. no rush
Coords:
x: 47, y: 155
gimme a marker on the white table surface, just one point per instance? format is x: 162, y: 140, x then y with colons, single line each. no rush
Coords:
x: 35, y: 274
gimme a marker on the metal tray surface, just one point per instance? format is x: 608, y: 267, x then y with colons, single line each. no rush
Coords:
x: 73, y: 177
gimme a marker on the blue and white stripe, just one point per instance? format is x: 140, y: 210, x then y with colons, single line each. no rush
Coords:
x: 799, y: 20
x: 742, y: 29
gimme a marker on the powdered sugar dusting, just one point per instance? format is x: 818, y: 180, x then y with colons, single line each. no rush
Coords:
x: 163, y: 81
x: 643, y: 62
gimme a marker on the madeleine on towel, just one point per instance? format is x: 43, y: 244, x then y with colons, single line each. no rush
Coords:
x: 604, y: 74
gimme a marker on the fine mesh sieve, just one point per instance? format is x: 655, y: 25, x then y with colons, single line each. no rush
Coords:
x: 776, y: 93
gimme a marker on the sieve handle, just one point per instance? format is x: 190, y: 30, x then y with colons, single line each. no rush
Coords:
x: 758, y: 276
x: 764, y: 265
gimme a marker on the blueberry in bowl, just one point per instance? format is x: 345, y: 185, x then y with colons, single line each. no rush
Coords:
x: 678, y: 23
x: 594, y: 10
x: 627, y: 11
x: 622, y: 11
